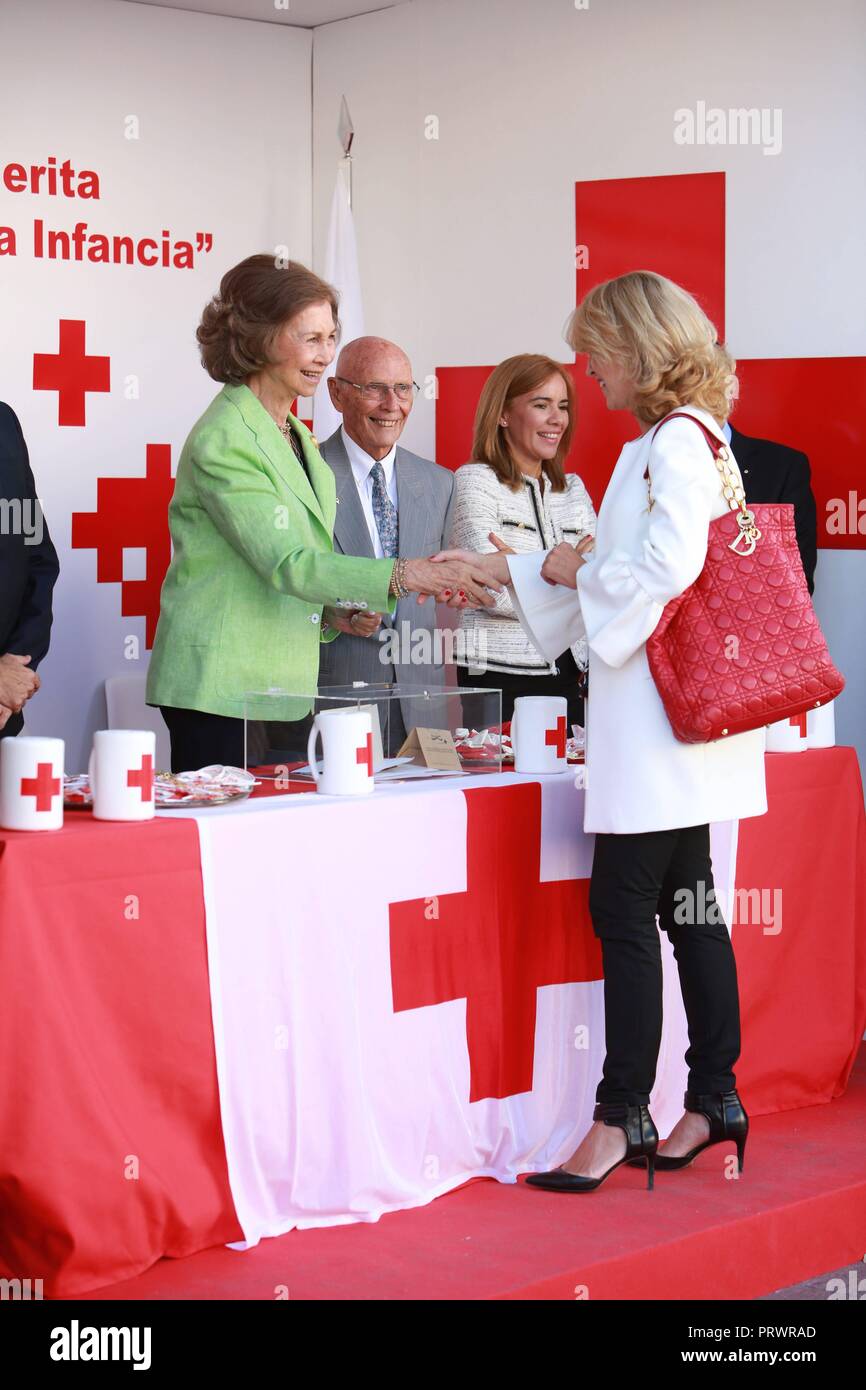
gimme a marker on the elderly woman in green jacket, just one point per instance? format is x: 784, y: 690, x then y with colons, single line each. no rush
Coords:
x: 254, y: 584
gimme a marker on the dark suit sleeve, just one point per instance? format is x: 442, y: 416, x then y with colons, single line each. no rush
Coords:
x: 798, y: 489
x: 30, y: 633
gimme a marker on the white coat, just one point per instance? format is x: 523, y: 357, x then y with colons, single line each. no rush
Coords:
x: 639, y: 776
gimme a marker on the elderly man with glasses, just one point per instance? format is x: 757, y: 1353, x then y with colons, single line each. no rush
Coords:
x: 389, y: 502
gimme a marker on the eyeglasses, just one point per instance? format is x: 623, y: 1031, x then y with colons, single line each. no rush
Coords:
x: 378, y: 390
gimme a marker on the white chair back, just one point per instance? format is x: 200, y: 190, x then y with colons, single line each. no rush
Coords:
x: 124, y: 702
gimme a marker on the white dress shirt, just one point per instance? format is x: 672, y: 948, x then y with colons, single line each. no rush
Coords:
x: 362, y: 465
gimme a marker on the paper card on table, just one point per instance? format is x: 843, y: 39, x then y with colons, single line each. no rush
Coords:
x: 434, y: 748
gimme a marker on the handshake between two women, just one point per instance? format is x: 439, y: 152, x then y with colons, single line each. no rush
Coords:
x: 466, y: 579
x: 490, y: 572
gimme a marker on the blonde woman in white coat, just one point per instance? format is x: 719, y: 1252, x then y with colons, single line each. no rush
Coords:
x: 649, y: 797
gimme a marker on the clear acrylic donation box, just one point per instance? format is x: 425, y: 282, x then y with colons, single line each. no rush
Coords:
x: 417, y: 730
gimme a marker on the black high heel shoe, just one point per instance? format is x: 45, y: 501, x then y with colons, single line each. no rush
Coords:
x: 728, y: 1120
x: 642, y: 1138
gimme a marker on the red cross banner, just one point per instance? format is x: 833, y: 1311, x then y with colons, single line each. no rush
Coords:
x: 680, y: 224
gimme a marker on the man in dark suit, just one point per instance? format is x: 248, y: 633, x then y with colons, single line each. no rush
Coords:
x: 389, y: 502
x: 775, y: 473
x: 28, y: 572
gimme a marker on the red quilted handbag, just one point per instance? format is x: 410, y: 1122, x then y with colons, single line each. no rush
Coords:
x: 741, y: 647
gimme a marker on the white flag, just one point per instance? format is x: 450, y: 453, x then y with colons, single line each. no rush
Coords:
x: 341, y: 271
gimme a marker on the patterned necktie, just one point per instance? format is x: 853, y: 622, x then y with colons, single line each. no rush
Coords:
x: 384, y: 512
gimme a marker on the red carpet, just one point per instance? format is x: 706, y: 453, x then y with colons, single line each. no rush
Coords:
x: 798, y: 1209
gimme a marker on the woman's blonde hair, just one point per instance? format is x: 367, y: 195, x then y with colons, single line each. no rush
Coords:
x: 517, y: 376
x: 662, y: 337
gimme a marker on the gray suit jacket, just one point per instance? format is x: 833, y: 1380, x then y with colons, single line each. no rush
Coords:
x: 424, y: 491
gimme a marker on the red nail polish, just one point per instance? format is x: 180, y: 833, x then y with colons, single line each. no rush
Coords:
x: 447, y: 593
x: 460, y: 593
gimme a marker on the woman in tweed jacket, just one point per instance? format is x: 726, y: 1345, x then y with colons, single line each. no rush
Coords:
x: 515, y: 487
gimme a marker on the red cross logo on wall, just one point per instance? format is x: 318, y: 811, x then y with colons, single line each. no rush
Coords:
x: 675, y: 224
x: 131, y: 513
x: 44, y: 786
x: 496, y: 944
x: 71, y: 373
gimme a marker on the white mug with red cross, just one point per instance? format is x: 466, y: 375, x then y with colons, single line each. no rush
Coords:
x: 347, y: 752
x: 31, y: 783
x: 539, y: 733
x: 121, y: 774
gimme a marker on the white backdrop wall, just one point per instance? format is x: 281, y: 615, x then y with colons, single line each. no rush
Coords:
x: 223, y: 109
x: 466, y: 241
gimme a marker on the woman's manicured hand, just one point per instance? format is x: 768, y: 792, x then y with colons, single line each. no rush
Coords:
x: 494, y: 567
x: 459, y: 578
x: 563, y: 562
x: 358, y: 622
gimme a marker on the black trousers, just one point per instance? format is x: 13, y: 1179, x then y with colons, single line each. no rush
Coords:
x: 569, y: 683
x: 668, y: 872
x: 199, y: 739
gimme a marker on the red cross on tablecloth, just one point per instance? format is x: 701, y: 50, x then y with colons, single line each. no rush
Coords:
x: 496, y: 944
x: 556, y: 737
x: 798, y: 721
x: 71, y: 372
x: 44, y: 786
x: 142, y: 777
x: 365, y: 754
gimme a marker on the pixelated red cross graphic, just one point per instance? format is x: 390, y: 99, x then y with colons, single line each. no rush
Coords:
x: 131, y: 513
x: 44, y: 786
x: 798, y: 721
x: 675, y: 224
x: 365, y: 754
x: 556, y: 737
x: 142, y: 777
x: 71, y: 372
x: 496, y: 944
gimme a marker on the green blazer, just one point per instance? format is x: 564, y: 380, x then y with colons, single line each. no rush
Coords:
x: 253, y: 564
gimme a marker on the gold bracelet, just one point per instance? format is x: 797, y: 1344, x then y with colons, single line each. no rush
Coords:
x: 397, y: 587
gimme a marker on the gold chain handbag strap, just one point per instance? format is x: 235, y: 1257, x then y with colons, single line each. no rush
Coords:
x: 748, y: 535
